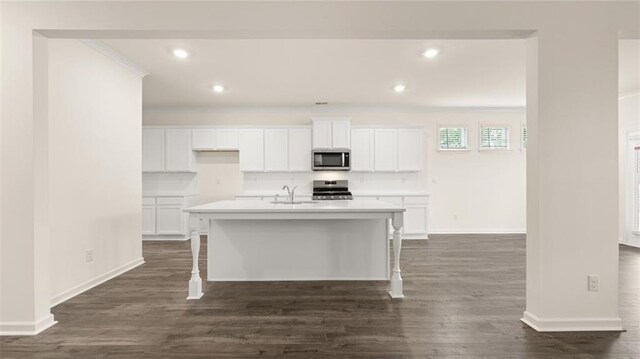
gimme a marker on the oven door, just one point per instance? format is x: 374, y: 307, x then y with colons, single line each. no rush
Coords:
x: 331, y: 161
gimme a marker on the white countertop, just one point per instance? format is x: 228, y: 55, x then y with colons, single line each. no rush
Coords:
x: 354, y: 206
x: 355, y: 193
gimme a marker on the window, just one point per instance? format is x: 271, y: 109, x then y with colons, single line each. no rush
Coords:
x: 523, y: 136
x: 453, y: 138
x: 494, y: 138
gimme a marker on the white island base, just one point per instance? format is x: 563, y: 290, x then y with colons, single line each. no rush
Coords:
x: 333, y: 240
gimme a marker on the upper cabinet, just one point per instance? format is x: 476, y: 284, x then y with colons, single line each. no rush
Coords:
x: 251, y: 146
x: 152, y: 150
x: 330, y: 133
x: 410, y: 150
x: 276, y: 150
x: 167, y: 150
x: 220, y: 139
x: 386, y: 150
x: 178, y: 154
x: 299, y: 149
x: 362, y: 150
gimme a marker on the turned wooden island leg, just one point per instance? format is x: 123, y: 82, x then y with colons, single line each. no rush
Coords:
x: 195, y: 283
x: 396, y: 277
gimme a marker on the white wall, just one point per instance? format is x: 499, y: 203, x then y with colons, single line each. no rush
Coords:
x: 472, y: 191
x: 94, y: 166
x: 629, y: 116
x: 570, y: 234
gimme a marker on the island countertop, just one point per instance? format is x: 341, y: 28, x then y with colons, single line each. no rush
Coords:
x: 344, y: 206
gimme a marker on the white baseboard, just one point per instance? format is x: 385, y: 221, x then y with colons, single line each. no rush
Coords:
x: 27, y: 328
x: 572, y: 324
x: 166, y: 238
x: 83, y: 287
x: 481, y: 231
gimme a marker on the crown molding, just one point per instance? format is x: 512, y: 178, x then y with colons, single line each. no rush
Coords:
x: 115, y: 56
x: 336, y: 109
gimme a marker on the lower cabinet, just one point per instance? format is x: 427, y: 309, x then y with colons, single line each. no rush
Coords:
x: 165, y: 216
x: 416, y: 216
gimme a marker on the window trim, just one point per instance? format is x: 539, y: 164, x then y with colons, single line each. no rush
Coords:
x: 453, y: 150
x: 494, y: 125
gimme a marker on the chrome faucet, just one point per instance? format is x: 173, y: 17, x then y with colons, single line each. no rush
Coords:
x: 291, y: 193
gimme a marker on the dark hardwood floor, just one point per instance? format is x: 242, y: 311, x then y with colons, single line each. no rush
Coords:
x: 465, y: 296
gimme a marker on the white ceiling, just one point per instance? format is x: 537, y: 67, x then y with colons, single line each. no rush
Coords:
x: 467, y: 73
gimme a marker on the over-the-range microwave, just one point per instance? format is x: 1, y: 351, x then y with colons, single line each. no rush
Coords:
x: 331, y: 160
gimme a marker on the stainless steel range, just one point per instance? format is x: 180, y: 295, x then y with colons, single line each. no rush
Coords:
x: 331, y: 190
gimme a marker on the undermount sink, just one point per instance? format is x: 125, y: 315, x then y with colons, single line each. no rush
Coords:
x: 294, y: 202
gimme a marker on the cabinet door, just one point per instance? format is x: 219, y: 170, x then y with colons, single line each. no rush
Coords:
x: 152, y: 150
x: 170, y: 219
x: 341, y: 134
x: 149, y: 219
x: 410, y: 150
x: 251, y: 146
x: 321, y: 133
x: 276, y: 150
x: 362, y: 150
x: 415, y: 219
x: 178, y: 152
x: 385, y: 150
x: 300, y: 149
x: 203, y: 139
x: 227, y: 139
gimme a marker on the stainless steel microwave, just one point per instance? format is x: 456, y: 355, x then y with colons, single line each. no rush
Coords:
x: 331, y: 160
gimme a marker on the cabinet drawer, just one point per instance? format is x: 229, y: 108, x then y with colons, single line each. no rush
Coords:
x: 416, y: 200
x: 148, y: 201
x: 392, y: 200
x: 170, y: 200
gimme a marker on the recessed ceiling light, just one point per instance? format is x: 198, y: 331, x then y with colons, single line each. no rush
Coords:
x: 399, y: 88
x: 180, y: 53
x: 431, y: 53
x: 218, y: 89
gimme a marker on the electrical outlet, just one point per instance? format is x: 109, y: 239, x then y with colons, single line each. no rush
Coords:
x: 89, y: 255
x: 594, y: 283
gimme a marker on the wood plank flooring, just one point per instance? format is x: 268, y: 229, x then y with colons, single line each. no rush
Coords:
x: 465, y: 296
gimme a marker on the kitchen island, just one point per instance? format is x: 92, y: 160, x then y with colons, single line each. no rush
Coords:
x: 324, y: 240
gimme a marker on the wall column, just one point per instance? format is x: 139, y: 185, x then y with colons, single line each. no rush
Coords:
x: 572, y: 184
x: 25, y: 296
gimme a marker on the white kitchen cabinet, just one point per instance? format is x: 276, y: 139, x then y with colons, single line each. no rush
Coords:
x: 148, y: 215
x: 417, y: 216
x: 203, y: 139
x: 321, y: 133
x: 226, y: 139
x: 179, y: 155
x: 219, y: 139
x: 410, y: 150
x: 362, y: 150
x: 385, y: 150
x: 341, y: 134
x: 415, y: 219
x: 152, y: 150
x: 251, y: 146
x: 169, y: 219
x: 276, y: 150
x: 330, y: 133
x: 299, y: 149
x: 164, y: 217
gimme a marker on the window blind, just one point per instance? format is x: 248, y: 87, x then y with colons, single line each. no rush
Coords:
x: 494, y: 138
x: 453, y: 138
